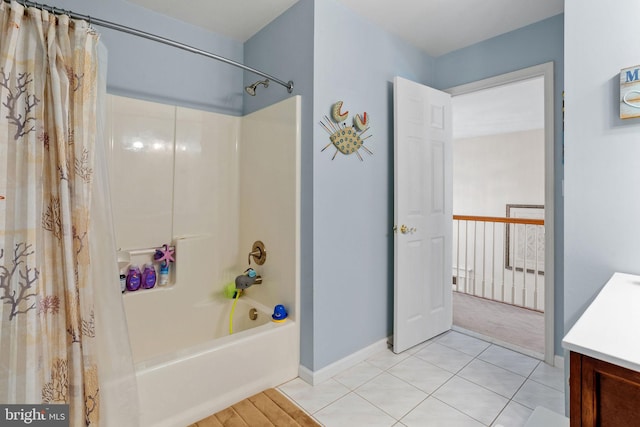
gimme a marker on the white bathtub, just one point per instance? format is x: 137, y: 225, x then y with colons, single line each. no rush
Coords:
x: 204, y: 369
x: 186, y: 364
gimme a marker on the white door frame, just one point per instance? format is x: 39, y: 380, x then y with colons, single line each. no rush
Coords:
x: 543, y: 70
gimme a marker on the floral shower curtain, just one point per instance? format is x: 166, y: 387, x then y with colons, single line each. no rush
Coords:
x: 49, y: 342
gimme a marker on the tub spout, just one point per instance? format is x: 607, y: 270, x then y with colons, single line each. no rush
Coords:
x: 247, y: 279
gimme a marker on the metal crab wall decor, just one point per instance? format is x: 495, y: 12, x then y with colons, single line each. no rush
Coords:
x: 346, y: 139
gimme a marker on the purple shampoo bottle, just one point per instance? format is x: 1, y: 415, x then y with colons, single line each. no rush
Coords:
x: 148, y: 276
x: 134, y: 278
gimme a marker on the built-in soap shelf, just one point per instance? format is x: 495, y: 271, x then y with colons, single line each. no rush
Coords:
x: 140, y: 257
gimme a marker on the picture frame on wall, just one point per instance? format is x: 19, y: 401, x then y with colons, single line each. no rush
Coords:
x: 522, y: 241
x: 630, y: 92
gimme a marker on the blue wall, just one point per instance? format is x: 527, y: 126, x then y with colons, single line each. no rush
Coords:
x: 355, y: 62
x: 284, y: 49
x: 532, y: 45
x: 332, y: 54
x: 149, y: 70
x: 602, y: 204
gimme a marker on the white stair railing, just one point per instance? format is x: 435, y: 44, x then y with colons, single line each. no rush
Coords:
x: 501, y: 259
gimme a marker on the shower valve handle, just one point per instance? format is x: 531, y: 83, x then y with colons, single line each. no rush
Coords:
x: 258, y: 253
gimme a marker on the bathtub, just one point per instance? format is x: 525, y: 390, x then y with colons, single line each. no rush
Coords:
x: 187, y: 365
x: 203, y: 369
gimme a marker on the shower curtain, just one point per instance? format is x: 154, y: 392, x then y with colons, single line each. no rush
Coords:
x: 62, y: 333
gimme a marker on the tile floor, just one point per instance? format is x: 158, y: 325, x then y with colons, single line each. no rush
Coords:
x: 452, y: 380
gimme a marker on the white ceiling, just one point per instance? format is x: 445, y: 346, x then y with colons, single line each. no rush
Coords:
x: 435, y: 26
x: 508, y: 108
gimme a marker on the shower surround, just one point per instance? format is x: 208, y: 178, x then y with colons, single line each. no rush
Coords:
x: 211, y: 184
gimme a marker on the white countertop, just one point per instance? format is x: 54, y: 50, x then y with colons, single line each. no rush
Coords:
x: 609, y: 329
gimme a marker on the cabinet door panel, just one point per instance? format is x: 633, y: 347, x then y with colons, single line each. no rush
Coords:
x: 609, y: 394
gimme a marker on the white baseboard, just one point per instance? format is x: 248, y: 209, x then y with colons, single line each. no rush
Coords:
x: 306, y: 374
x: 316, y: 377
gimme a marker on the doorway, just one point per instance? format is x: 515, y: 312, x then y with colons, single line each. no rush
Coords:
x: 535, y: 201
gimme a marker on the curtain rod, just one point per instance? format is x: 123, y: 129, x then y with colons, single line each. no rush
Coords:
x: 149, y: 36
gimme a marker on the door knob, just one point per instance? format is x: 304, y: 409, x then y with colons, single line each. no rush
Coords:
x: 404, y: 229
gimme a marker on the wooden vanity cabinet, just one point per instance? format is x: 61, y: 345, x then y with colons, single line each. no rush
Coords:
x: 603, y: 394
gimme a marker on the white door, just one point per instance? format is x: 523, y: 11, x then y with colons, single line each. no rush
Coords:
x: 423, y: 213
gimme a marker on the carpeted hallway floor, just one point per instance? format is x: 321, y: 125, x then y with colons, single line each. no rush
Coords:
x: 507, y: 323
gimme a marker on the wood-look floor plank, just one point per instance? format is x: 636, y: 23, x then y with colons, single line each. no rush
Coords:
x: 252, y: 415
x: 210, y: 421
x: 272, y: 411
x: 292, y: 409
x: 266, y: 409
x: 229, y: 418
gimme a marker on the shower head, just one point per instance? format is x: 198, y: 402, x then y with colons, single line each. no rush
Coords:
x: 251, y: 89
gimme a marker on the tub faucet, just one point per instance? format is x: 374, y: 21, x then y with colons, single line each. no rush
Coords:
x: 248, y: 278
